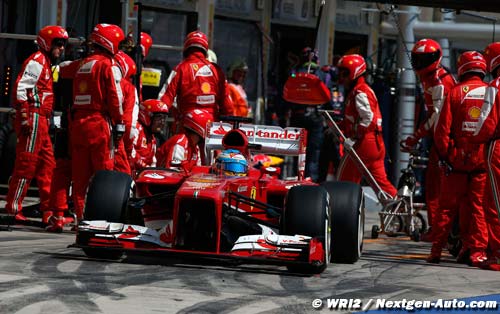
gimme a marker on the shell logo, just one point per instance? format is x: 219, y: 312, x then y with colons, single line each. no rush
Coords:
x: 83, y: 87
x: 205, y: 87
x: 474, y: 112
x: 49, y: 31
x: 350, y: 62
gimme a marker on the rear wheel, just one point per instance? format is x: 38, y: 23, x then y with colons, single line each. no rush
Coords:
x: 307, y: 212
x: 107, y: 199
x: 347, y: 220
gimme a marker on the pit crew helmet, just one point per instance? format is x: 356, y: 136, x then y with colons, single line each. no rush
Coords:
x: 352, y: 66
x: 108, y: 36
x: 196, y: 120
x: 146, y: 43
x: 126, y: 63
x: 149, y: 108
x: 196, y: 39
x: 492, y: 56
x: 211, y: 56
x: 49, y: 34
x: 231, y: 163
x: 426, y: 56
x: 471, y: 61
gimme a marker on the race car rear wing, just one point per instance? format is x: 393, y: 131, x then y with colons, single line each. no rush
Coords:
x: 269, y: 139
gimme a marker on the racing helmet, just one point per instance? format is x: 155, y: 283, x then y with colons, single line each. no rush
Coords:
x: 48, y: 35
x: 108, y: 36
x: 149, y: 108
x: 352, y: 66
x: 426, y: 56
x: 231, y: 163
x: 196, y: 39
x: 146, y: 43
x: 196, y: 120
x: 492, y: 56
x: 471, y: 61
x: 306, y: 52
x: 126, y: 64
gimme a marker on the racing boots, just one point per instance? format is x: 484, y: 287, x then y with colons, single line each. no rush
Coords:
x: 19, y: 216
x: 492, y: 262
x: 435, y: 256
x: 55, y: 223
x: 478, y: 258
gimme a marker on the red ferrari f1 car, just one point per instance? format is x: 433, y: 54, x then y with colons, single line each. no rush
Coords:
x: 257, y: 218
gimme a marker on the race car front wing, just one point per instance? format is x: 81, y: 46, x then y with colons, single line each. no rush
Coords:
x: 267, y: 248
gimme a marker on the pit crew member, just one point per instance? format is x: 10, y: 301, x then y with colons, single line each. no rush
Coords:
x: 184, y: 147
x: 196, y: 83
x: 130, y: 112
x: 436, y: 82
x: 487, y: 132
x: 34, y: 101
x: 152, y: 119
x: 97, y: 112
x: 462, y: 186
x: 362, y: 125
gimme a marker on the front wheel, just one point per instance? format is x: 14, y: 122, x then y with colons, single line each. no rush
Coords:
x: 347, y: 221
x: 107, y: 196
x: 107, y: 199
x: 307, y: 212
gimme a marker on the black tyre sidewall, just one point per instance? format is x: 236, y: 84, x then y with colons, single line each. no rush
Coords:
x: 107, y: 196
x: 307, y: 213
x: 346, y: 200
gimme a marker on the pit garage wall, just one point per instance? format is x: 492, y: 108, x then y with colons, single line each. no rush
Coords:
x: 176, y: 17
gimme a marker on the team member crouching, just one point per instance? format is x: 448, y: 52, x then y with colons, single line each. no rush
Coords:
x: 462, y: 186
x: 183, y: 147
x: 152, y: 119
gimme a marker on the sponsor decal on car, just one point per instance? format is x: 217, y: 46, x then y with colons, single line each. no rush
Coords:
x: 154, y: 175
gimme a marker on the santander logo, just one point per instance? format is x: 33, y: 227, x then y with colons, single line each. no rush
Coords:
x: 220, y: 130
x: 264, y: 133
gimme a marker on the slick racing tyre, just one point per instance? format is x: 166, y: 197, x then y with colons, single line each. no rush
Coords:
x: 107, y: 199
x: 307, y: 213
x: 347, y: 220
x: 107, y: 196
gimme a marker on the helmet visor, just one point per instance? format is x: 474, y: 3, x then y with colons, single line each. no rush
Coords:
x: 59, y: 42
x: 234, y: 169
x: 422, y: 60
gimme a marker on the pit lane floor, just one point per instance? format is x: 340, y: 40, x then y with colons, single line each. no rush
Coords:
x: 39, y: 274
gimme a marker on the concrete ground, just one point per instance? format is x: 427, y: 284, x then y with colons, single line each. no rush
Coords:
x: 40, y: 274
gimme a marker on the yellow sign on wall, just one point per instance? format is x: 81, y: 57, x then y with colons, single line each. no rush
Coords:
x: 151, y: 77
